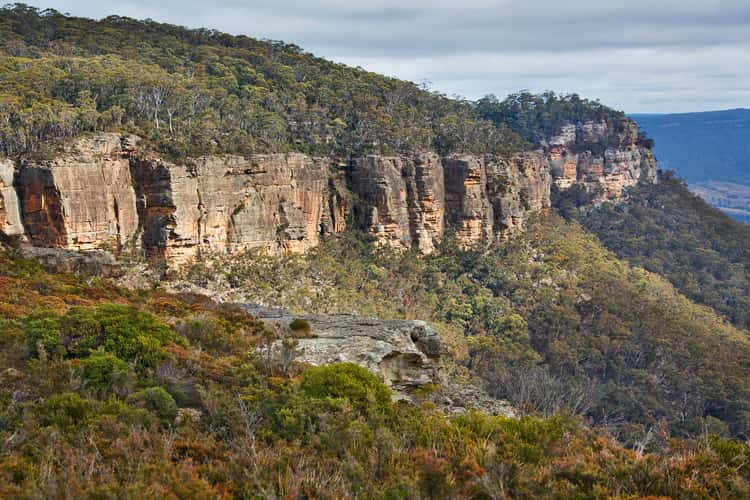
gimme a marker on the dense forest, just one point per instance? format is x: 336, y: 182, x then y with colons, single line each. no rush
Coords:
x: 666, y: 229
x: 109, y: 392
x: 193, y: 92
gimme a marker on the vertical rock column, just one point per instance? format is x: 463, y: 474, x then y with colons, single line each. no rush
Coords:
x: 516, y: 187
x: 10, y: 212
x: 468, y: 209
x: 383, y: 199
x: 427, y: 202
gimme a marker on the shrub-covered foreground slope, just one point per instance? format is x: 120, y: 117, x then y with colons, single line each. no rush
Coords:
x: 109, y: 393
x: 668, y: 230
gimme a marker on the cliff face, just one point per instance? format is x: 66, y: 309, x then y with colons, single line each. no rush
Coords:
x: 516, y: 187
x: 281, y: 203
x: 10, y: 212
x: 83, y: 199
x: 106, y: 193
x: 401, y: 200
x: 601, y: 161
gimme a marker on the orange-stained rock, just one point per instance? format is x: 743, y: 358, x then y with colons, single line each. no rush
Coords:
x: 280, y: 203
x: 103, y: 192
x: 83, y: 199
x: 576, y: 157
x: 400, y: 200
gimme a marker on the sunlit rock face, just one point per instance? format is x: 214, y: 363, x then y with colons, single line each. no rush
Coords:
x: 280, y: 203
x: 470, y: 213
x: 598, y: 160
x: 400, y: 200
x: 10, y: 212
x: 106, y: 193
x: 516, y: 187
x: 83, y: 199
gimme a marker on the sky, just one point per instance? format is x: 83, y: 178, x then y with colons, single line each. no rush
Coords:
x: 640, y: 56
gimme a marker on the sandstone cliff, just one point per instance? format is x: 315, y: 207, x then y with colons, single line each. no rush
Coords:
x: 601, y: 161
x: 401, y: 200
x: 106, y: 193
x: 281, y: 203
x: 10, y: 213
x: 83, y: 199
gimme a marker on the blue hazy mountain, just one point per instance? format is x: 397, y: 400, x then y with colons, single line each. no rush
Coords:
x: 702, y: 147
x: 710, y: 150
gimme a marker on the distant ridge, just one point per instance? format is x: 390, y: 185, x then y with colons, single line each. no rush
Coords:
x: 704, y: 146
x: 710, y: 150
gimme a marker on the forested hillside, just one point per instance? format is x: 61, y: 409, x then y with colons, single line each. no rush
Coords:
x: 668, y: 230
x: 550, y: 320
x: 194, y: 92
x: 618, y: 333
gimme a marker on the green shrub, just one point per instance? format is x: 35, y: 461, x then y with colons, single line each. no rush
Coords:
x: 127, y: 332
x: 156, y: 400
x: 363, y: 390
x: 299, y: 325
x: 133, y: 417
x: 80, y: 331
x: 134, y: 335
x: 216, y: 335
x: 43, y: 335
x: 66, y: 411
x: 105, y: 373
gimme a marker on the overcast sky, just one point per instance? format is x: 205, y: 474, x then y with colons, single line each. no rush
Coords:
x: 635, y: 55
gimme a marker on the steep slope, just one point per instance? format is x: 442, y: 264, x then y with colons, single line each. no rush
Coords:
x: 668, y: 230
x: 219, y: 143
x: 171, y: 395
x: 550, y: 319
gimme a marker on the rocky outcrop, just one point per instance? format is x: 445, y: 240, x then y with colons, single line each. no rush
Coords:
x: 83, y: 199
x: 280, y: 203
x: 516, y: 187
x: 469, y: 209
x: 382, y: 206
x: 404, y: 354
x: 489, y: 198
x: 601, y: 161
x: 10, y: 214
